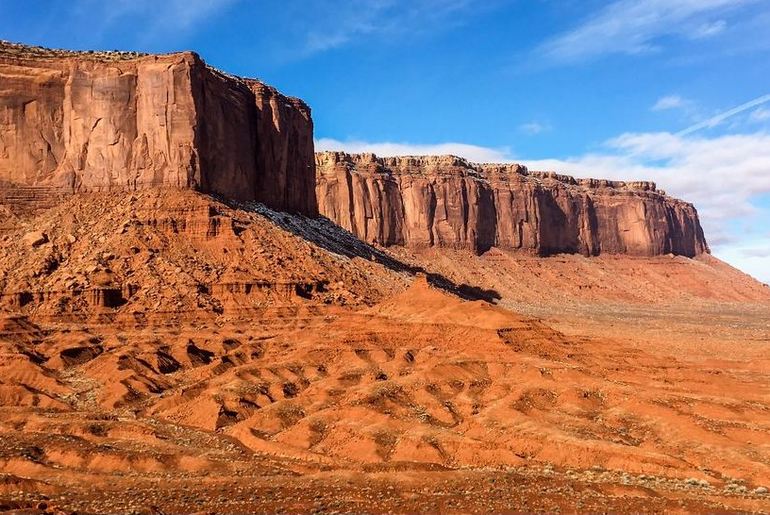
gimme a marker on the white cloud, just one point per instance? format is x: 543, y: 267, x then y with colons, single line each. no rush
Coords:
x: 636, y: 26
x: 752, y: 257
x: 329, y: 24
x: 719, y: 118
x: 721, y: 175
x: 760, y: 115
x: 473, y: 153
x: 534, y: 128
x: 670, y: 102
x: 709, y: 29
x: 757, y: 252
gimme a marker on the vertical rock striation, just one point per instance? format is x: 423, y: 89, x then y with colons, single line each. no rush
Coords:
x: 78, y: 122
x: 448, y: 202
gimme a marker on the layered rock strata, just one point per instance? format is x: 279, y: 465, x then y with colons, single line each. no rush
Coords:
x: 447, y: 201
x: 83, y: 121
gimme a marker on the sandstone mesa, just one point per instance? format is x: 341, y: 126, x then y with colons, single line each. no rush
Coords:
x: 87, y: 122
x: 448, y: 202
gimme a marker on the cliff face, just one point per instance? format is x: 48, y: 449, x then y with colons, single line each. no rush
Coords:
x: 77, y: 122
x: 446, y: 201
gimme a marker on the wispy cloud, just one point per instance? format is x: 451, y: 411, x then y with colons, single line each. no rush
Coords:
x: 167, y: 20
x: 172, y: 14
x: 757, y: 252
x: 671, y: 102
x: 709, y: 29
x: 637, y: 26
x: 760, y: 115
x: 719, y: 118
x: 534, y: 128
x: 328, y: 24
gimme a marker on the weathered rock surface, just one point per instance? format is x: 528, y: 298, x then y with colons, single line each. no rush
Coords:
x: 81, y: 122
x: 35, y: 238
x: 446, y: 201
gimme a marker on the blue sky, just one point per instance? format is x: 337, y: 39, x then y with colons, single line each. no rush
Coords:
x: 670, y: 90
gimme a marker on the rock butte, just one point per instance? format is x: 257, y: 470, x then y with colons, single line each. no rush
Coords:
x: 446, y: 201
x: 73, y: 122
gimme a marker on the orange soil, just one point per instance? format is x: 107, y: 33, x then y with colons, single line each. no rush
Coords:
x: 252, y: 361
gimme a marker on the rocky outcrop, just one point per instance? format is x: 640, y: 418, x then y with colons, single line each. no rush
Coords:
x: 448, y: 202
x: 81, y: 122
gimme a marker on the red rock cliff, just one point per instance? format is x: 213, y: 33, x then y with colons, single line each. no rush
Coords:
x: 78, y: 121
x: 447, y: 201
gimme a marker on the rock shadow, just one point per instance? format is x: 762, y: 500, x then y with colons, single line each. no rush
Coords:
x: 331, y: 237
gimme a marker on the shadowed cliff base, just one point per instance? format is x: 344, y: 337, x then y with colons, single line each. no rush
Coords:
x: 326, y: 234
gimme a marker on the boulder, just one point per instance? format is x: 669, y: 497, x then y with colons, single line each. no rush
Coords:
x: 35, y: 238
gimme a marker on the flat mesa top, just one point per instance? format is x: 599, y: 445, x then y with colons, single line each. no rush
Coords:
x: 449, y: 165
x: 18, y: 50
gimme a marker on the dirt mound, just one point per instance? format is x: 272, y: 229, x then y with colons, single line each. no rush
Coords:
x: 154, y: 252
x: 422, y: 303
